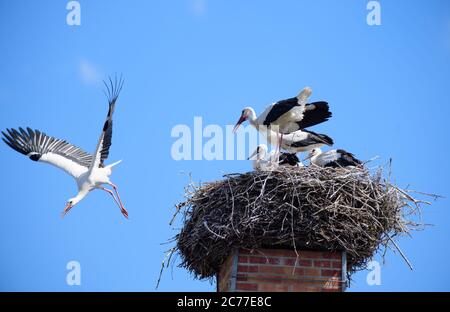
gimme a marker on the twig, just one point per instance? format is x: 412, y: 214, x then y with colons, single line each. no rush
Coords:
x: 401, y: 253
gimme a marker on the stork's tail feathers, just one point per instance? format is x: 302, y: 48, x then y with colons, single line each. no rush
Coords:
x: 113, y: 164
x: 326, y: 139
x: 304, y: 94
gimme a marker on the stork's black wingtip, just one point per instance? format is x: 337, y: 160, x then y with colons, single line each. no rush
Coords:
x: 113, y: 85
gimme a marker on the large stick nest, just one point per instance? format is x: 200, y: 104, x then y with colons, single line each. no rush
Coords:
x: 345, y: 209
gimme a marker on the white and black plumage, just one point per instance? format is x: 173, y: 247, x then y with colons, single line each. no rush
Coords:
x: 300, y: 140
x: 89, y: 171
x: 263, y: 161
x: 287, y: 116
x: 289, y: 159
x: 333, y: 158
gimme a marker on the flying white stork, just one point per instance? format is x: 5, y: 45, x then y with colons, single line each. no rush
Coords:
x: 287, y: 116
x: 333, y: 158
x: 89, y: 171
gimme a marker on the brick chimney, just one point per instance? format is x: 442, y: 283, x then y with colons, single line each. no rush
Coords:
x: 281, y: 270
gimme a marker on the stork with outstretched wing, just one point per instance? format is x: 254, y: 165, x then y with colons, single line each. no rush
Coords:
x: 287, y: 116
x: 89, y: 171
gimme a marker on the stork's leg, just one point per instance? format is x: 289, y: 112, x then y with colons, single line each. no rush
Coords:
x: 124, y: 212
x: 280, y: 142
x: 111, y: 193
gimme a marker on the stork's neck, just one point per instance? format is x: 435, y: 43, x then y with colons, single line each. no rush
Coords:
x: 314, y: 159
x: 262, y: 155
x: 252, y: 118
x: 81, y: 194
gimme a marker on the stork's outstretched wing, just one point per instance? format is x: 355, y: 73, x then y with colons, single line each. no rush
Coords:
x: 314, y: 113
x: 113, y: 88
x: 40, y: 147
x: 308, y: 114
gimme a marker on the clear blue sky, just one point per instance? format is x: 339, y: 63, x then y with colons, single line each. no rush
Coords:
x: 388, y: 87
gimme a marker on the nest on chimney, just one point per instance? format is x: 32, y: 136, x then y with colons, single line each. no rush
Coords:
x: 344, y: 209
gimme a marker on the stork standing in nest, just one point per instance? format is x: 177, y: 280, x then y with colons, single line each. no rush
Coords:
x: 287, y: 116
x: 89, y: 171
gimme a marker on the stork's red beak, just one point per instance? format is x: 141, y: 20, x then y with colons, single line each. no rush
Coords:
x: 252, y: 156
x: 241, y: 120
x: 66, y: 210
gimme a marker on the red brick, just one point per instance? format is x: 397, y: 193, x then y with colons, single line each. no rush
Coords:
x: 291, y: 270
x: 257, y: 260
x: 309, y: 254
x: 264, y: 260
x: 311, y: 272
x: 329, y: 290
x: 241, y: 277
x: 268, y: 252
x: 242, y: 259
x: 312, y: 289
x: 300, y: 272
x: 276, y: 279
x: 311, y: 283
x: 281, y: 270
x: 332, y: 255
x: 273, y: 287
x: 266, y: 278
x: 299, y: 288
x: 284, y: 270
x: 277, y: 253
x: 322, y: 264
x: 246, y: 286
x: 273, y: 260
x: 304, y: 288
x: 289, y: 261
x: 297, y: 262
x: 331, y: 284
x: 336, y: 265
x: 274, y: 269
x: 247, y: 268
x: 336, y: 273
